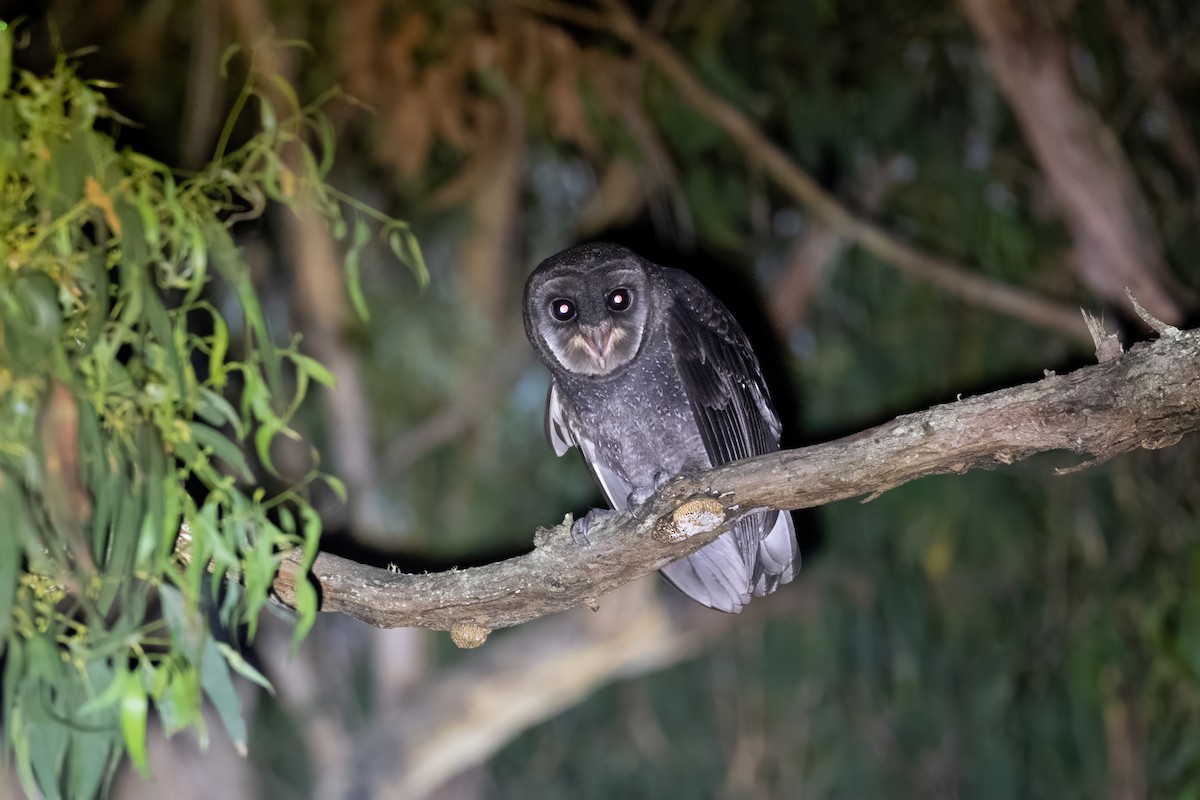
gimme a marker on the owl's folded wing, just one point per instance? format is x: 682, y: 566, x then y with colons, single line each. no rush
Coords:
x: 732, y: 408
x: 720, y: 375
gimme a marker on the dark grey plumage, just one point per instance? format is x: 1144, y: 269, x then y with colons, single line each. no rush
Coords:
x: 652, y: 376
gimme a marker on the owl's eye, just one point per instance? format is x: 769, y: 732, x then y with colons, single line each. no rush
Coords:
x: 562, y: 309
x: 619, y: 298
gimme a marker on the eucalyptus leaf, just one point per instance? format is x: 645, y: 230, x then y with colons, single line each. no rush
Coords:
x: 243, y: 667
x: 134, y: 708
x: 222, y: 448
x: 219, y: 688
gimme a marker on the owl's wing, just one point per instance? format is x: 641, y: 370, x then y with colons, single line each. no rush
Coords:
x: 557, y: 430
x: 732, y: 408
x: 720, y: 374
x: 562, y: 436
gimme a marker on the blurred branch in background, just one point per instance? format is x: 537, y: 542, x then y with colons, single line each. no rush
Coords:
x: 1154, y: 71
x: 943, y: 273
x: 202, y: 111
x: 1116, y: 245
x: 1148, y: 397
x: 468, y: 712
x: 822, y: 246
x: 451, y: 421
x: 322, y: 310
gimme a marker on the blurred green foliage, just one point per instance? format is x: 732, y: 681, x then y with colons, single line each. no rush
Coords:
x: 973, y: 636
x: 117, y: 430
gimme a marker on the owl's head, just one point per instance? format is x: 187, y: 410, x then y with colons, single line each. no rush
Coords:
x: 586, y: 309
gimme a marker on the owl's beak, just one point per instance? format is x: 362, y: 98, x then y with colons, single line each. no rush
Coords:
x: 597, y: 340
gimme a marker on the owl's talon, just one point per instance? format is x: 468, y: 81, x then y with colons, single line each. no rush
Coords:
x: 581, y: 526
x: 639, y: 496
x: 636, y: 498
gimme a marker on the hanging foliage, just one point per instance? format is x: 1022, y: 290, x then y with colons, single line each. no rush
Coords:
x: 112, y: 402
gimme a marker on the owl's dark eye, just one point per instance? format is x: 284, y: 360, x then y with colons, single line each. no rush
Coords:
x: 562, y: 309
x: 619, y: 298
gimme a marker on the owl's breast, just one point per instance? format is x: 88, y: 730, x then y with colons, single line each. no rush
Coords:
x: 640, y: 421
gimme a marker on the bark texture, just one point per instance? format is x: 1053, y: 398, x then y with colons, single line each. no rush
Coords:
x: 1148, y: 397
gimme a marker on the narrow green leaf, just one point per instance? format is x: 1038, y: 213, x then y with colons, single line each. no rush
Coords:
x: 225, y: 256
x: 216, y: 411
x: 306, y: 594
x: 222, y: 448
x: 94, y: 747
x: 262, y: 441
x: 96, y: 313
x: 197, y: 461
x: 134, y: 709
x: 184, y: 621
x: 172, y: 519
x: 14, y: 672
x: 20, y: 739
x: 179, y: 707
x: 362, y: 234
x: 106, y: 488
x: 267, y: 116
x: 148, y: 211
x: 314, y: 369
x: 285, y: 89
x: 325, y: 141
x: 133, y: 237
x: 243, y: 667
x: 6, y: 42
x: 123, y: 541
x: 114, y: 690
x: 231, y: 604
x: 218, y: 346
x: 218, y: 685
x: 47, y: 748
x: 197, y: 265
x: 337, y: 485
x: 10, y: 550
x: 160, y: 325
x: 405, y: 247
x: 153, y: 470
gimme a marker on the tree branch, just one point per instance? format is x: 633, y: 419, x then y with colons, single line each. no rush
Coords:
x: 1148, y: 397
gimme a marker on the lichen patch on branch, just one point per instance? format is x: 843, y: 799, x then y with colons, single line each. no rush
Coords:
x: 696, y: 516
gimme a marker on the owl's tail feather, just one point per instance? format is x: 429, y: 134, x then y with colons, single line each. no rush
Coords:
x: 778, y: 556
x: 718, y: 576
x: 715, y: 576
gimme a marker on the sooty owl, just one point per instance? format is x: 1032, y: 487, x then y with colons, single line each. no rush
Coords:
x: 652, y: 376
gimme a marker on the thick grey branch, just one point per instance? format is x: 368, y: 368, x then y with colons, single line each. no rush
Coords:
x: 1148, y: 397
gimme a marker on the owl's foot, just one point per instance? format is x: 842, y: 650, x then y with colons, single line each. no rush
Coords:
x: 641, y: 495
x: 580, y: 527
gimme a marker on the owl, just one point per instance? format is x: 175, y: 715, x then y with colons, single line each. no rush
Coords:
x: 651, y: 377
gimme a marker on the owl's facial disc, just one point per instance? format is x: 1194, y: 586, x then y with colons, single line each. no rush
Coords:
x: 590, y: 321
